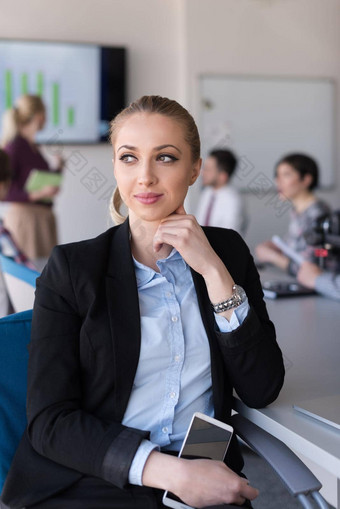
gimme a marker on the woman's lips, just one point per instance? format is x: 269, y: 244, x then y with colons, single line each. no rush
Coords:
x: 148, y: 198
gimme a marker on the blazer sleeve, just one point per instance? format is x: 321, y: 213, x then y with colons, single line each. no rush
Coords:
x: 58, y: 427
x: 252, y: 357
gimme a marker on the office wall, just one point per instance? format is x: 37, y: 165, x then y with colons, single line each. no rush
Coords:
x: 149, y: 29
x: 268, y: 38
x: 171, y: 43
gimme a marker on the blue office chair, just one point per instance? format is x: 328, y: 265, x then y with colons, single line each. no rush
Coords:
x: 14, y: 337
x: 15, y: 333
x: 20, y: 283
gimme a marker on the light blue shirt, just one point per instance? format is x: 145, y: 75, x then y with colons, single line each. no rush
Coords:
x: 173, y: 377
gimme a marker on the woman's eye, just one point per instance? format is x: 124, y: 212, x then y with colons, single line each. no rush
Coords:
x: 127, y: 158
x: 167, y: 158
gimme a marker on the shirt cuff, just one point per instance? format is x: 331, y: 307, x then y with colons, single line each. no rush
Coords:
x: 328, y: 284
x: 237, y: 318
x: 138, y: 462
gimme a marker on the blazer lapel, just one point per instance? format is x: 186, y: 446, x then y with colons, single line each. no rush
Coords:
x: 124, y: 315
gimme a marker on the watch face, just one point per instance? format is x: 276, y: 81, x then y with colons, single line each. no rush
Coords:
x: 237, y: 298
x: 241, y: 293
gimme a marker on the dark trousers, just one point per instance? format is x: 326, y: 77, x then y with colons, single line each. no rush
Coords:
x: 94, y: 493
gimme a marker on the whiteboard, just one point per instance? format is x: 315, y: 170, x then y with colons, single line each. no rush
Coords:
x: 262, y: 119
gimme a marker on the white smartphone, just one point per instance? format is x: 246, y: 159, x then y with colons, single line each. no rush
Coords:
x: 206, y: 438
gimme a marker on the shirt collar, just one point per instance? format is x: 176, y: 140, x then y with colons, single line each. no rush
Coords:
x: 144, y: 274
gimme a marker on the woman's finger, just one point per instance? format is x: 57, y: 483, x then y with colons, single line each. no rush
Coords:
x: 248, y: 491
x: 164, y: 238
x: 178, y: 217
x: 180, y: 210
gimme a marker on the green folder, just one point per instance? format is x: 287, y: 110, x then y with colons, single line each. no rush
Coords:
x: 38, y: 179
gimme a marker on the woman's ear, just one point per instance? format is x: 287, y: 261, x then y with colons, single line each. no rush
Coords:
x: 307, y: 179
x: 196, y: 169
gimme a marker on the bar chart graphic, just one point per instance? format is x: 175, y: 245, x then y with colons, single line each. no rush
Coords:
x: 66, y: 77
x: 39, y: 90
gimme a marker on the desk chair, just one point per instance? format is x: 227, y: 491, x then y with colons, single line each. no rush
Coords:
x: 20, y: 283
x: 14, y: 337
x: 15, y: 331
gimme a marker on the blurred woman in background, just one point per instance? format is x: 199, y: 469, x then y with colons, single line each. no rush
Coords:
x: 296, y: 177
x: 30, y: 218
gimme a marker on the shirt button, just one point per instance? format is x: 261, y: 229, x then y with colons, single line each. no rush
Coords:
x: 168, y: 294
x: 174, y: 318
x: 165, y: 429
x: 172, y: 395
x: 177, y: 358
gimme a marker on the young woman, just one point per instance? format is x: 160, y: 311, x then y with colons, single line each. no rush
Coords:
x: 29, y: 218
x: 296, y: 177
x: 126, y: 344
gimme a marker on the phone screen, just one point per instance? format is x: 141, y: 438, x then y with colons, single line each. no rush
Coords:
x: 207, y: 439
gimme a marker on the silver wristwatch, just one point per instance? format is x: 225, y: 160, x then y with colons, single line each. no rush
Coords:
x: 238, y: 296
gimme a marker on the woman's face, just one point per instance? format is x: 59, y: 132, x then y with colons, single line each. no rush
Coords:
x: 210, y: 173
x: 36, y: 123
x: 289, y: 182
x: 40, y: 120
x: 153, y: 165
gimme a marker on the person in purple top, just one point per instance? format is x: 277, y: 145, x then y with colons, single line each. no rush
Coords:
x: 30, y: 218
x: 7, y: 245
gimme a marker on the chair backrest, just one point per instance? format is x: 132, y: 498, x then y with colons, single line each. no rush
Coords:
x: 20, y: 283
x: 15, y: 331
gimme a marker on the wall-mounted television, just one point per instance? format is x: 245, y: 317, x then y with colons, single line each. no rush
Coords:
x: 82, y: 85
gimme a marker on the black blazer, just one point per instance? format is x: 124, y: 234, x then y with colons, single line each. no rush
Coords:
x: 84, y: 353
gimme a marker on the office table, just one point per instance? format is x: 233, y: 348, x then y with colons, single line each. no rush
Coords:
x: 308, y: 332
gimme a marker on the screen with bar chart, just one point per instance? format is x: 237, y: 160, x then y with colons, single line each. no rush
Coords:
x: 82, y: 86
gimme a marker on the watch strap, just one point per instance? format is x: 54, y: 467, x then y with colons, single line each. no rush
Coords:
x: 232, y: 302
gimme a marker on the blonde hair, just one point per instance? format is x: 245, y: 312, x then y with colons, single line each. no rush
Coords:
x: 26, y: 107
x: 162, y: 106
x: 115, y: 205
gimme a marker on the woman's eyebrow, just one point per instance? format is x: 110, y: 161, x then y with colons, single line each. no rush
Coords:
x: 129, y: 147
x: 161, y: 147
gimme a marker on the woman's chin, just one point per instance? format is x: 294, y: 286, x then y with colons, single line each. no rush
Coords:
x: 283, y: 197
x: 150, y: 216
x: 147, y: 217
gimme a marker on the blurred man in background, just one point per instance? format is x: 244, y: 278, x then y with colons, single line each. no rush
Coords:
x: 220, y: 204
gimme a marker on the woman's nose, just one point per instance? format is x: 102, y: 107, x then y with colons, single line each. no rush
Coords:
x: 147, y: 175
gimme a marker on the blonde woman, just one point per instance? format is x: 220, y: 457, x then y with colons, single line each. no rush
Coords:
x: 127, y: 341
x: 30, y: 218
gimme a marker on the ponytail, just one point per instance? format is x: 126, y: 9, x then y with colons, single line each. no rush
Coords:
x: 115, y: 205
x: 10, y: 126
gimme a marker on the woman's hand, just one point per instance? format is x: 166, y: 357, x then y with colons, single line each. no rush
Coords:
x: 60, y: 162
x: 45, y: 192
x: 267, y: 252
x: 307, y: 274
x: 199, y: 483
x: 183, y: 232
x: 208, y: 482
